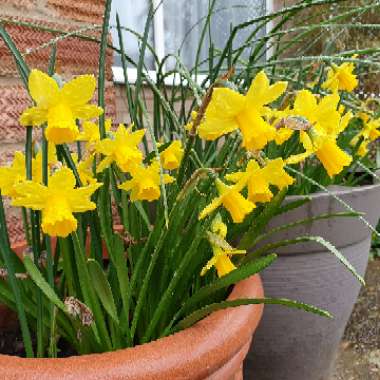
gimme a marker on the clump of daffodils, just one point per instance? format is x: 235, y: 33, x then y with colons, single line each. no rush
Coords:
x: 139, y: 226
x: 68, y: 191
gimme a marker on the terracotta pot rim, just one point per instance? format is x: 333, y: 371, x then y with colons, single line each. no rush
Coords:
x: 203, y: 348
x: 343, y: 190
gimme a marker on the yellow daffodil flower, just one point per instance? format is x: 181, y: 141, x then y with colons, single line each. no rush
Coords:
x: 259, y: 179
x: 91, y: 133
x: 282, y: 135
x: 341, y: 78
x: 276, y: 175
x: 16, y: 172
x: 60, y: 107
x: 85, y: 168
x: 57, y: 201
x: 222, y: 251
x: 145, y: 182
x: 282, y: 122
x: 326, y: 124
x: 122, y: 148
x: 171, y: 157
x: 229, y: 111
x: 369, y: 133
x: 189, y: 126
x: 232, y: 200
x: 13, y: 174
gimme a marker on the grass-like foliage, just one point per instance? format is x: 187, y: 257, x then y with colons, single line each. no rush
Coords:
x: 130, y: 229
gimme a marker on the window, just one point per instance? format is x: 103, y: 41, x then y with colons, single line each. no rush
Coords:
x: 177, y: 27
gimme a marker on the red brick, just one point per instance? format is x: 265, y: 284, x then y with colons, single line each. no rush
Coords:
x: 74, y: 55
x: 84, y: 10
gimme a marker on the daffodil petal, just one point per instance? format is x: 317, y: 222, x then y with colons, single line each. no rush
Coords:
x: 261, y: 93
x: 33, y: 116
x: 86, y: 111
x: 80, y: 199
x: 224, y: 265
x: 79, y: 90
x: 105, y: 163
x: 215, y: 203
x: 63, y: 178
x: 43, y: 89
x: 209, y: 265
x: 31, y: 195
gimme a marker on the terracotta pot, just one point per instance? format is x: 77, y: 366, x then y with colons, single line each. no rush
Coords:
x: 294, y: 345
x: 213, y: 348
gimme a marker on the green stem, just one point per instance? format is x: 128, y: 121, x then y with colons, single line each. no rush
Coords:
x: 6, y: 254
x: 68, y: 266
x: 49, y: 256
x: 102, y: 65
x: 34, y: 215
x: 26, y: 225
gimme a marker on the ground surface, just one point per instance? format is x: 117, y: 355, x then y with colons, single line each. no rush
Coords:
x: 359, y: 355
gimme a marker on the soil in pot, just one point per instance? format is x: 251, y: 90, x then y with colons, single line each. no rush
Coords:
x: 11, y: 343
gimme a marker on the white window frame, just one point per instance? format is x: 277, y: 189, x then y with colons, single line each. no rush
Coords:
x: 269, y: 8
x: 159, y: 45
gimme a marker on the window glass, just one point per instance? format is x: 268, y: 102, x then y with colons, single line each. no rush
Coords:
x: 183, y: 24
x: 132, y: 14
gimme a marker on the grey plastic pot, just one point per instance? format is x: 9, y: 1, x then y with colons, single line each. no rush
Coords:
x: 294, y: 345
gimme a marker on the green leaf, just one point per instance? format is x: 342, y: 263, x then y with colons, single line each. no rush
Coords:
x: 301, y: 239
x: 292, y: 205
x: 205, y: 311
x: 339, y: 256
x: 7, y: 255
x: 143, y: 214
x: 239, y: 274
x: 89, y: 295
x: 52, y: 60
x: 117, y: 256
x: 40, y: 281
x: 102, y: 288
x: 300, y: 222
x: 261, y: 221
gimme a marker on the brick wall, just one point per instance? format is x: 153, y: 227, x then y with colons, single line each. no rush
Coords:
x: 74, y: 56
